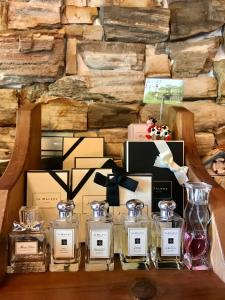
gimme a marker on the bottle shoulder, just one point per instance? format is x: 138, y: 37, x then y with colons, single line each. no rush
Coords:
x: 136, y: 220
x: 100, y: 219
x: 175, y: 218
x: 68, y: 222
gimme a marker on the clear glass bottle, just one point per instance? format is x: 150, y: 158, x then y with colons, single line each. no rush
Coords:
x: 135, y: 237
x: 27, y: 243
x: 99, y: 239
x: 64, y: 240
x: 166, y: 248
x: 197, y: 219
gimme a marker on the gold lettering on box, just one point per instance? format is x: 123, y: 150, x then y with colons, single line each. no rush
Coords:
x: 46, y: 200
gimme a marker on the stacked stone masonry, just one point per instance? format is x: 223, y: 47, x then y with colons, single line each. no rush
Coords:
x: 86, y: 61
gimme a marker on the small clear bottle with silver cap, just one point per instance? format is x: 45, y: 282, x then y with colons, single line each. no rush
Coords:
x: 27, y: 243
x: 135, y: 237
x: 64, y: 240
x: 166, y: 248
x: 99, y: 239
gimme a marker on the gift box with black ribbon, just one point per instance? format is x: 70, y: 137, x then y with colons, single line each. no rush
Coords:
x: 45, y: 189
x: 121, y: 187
x: 81, y: 147
x: 165, y: 160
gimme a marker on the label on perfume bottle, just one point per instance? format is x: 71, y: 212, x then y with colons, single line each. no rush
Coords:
x: 64, y: 243
x: 99, y: 243
x: 137, y: 241
x: 26, y: 248
x: 170, y: 241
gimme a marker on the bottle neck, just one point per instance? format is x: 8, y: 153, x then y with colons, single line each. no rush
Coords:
x: 166, y: 214
x: 65, y: 215
x: 134, y: 213
x: 99, y: 213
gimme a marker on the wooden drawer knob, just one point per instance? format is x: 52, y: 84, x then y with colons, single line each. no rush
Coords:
x: 143, y: 289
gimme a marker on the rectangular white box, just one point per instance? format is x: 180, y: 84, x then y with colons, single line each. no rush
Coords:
x: 90, y: 162
x: 81, y: 147
x: 45, y: 192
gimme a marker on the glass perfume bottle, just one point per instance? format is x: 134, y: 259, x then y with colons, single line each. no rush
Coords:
x: 166, y: 248
x: 27, y: 243
x: 64, y: 240
x: 197, y: 219
x: 135, y: 237
x: 99, y: 239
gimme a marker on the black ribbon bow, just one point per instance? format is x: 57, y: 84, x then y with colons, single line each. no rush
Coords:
x: 112, y: 183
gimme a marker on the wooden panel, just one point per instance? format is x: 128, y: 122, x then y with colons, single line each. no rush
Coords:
x: 26, y: 155
x: 181, y: 122
x: 170, y: 285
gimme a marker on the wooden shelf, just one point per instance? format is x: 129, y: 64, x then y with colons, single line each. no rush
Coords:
x: 169, y: 284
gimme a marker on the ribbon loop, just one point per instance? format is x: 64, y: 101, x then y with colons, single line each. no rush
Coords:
x: 165, y: 160
x: 34, y: 227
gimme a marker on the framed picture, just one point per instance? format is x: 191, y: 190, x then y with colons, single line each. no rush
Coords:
x: 159, y: 90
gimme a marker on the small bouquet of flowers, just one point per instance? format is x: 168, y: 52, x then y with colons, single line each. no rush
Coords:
x: 156, y: 132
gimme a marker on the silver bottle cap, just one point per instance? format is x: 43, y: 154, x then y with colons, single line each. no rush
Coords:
x: 99, y: 208
x: 65, y: 208
x: 167, y: 208
x: 134, y: 207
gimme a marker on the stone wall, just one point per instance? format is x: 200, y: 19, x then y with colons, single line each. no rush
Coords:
x: 86, y: 61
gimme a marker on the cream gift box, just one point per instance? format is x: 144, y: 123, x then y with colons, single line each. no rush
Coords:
x: 137, y: 132
x: 143, y: 192
x: 90, y: 162
x: 45, y: 189
x: 85, y: 190
x: 81, y: 147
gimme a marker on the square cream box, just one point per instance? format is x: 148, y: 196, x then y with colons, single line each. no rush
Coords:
x: 81, y: 147
x: 91, y: 191
x: 85, y: 191
x: 45, y: 191
x: 90, y: 162
x: 137, y: 132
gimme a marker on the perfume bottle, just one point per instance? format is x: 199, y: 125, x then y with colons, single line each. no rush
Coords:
x: 27, y: 243
x: 166, y: 248
x: 197, y: 219
x: 64, y: 240
x: 135, y: 237
x: 99, y: 239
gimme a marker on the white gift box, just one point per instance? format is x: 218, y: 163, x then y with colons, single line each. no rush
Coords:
x: 90, y: 162
x: 45, y: 189
x: 81, y: 147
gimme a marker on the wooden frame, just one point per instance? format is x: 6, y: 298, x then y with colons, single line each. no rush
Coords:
x: 138, y: 284
x: 26, y: 155
x: 181, y: 122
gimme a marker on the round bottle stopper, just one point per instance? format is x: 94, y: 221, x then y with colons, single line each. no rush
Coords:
x: 65, y: 209
x: 167, y: 208
x: 134, y: 207
x: 99, y: 207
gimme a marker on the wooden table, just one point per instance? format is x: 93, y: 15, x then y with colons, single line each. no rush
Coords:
x: 116, y: 285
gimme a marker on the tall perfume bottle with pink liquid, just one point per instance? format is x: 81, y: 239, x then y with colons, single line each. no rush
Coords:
x: 197, y: 219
